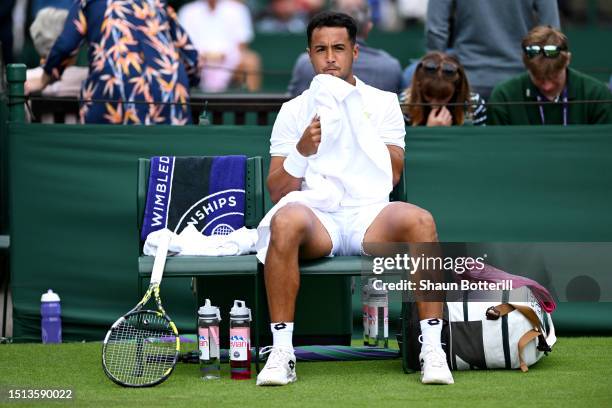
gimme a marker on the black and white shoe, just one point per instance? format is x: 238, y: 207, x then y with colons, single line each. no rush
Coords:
x: 279, y: 368
x: 434, y: 368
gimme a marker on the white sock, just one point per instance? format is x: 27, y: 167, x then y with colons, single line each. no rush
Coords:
x: 431, y: 329
x: 282, y: 334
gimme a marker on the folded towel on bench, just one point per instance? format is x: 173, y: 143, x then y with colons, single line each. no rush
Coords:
x: 191, y: 243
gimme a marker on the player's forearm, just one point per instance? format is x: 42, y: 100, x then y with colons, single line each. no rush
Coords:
x: 397, y: 162
x: 280, y: 183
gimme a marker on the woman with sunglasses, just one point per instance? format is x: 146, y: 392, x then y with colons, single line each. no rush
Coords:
x: 440, y: 94
x: 551, y: 90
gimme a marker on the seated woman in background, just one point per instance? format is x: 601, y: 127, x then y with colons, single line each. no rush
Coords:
x: 440, y: 81
x: 45, y: 29
x: 141, y: 62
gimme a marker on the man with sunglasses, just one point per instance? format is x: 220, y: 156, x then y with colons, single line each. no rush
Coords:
x: 550, y: 87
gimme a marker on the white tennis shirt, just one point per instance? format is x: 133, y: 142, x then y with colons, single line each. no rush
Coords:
x: 381, y: 107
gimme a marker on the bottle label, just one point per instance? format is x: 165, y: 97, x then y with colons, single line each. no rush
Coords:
x: 240, y: 338
x: 213, y: 331
x: 204, y: 343
x: 372, y: 321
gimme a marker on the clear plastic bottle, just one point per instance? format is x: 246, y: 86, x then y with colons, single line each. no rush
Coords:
x: 208, y: 341
x: 378, y: 311
x: 365, y: 294
x: 51, y: 317
x: 240, y: 341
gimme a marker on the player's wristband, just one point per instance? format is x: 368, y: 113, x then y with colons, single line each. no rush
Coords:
x: 295, y: 164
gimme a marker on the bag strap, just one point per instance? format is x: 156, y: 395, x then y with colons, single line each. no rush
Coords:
x: 523, y: 341
x: 495, y: 312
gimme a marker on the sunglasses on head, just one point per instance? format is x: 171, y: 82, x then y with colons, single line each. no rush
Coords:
x: 549, y: 51
x: 448, y: 69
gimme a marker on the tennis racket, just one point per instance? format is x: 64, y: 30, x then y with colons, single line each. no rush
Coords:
x: 142, y: 347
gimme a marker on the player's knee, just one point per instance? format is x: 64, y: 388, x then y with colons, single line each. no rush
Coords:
x: 423, y: 220
x: 415, y: 219
x: 289, y: 223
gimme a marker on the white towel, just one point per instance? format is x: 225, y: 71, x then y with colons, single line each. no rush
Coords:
x: 190, y: 242
x: 352, y: 166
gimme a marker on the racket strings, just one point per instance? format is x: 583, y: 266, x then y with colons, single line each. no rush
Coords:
x: 141, y: 349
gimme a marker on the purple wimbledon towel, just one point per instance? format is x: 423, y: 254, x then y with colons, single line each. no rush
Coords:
x: 207, y: 192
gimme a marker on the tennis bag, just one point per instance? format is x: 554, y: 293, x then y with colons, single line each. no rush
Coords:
x: 511, y: 333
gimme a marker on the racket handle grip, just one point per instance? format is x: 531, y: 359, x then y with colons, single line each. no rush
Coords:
x: 160, y: 257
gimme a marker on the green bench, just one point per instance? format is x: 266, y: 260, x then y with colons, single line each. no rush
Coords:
x: 200, y: 268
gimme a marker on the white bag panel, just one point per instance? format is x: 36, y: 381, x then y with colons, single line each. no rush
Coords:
x: 493, y: 343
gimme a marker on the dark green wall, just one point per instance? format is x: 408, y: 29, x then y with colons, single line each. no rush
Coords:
x: 73, y: 204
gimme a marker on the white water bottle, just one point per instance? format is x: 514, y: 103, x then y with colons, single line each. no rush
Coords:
x: 208, y: 341
x: 378, y: 317
x: 240, y: 341
x: 365, y: 297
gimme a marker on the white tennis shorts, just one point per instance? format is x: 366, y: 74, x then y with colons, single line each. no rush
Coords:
x: 347, y: 227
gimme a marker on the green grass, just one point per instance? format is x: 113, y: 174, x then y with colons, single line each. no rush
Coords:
x: 578, y: 373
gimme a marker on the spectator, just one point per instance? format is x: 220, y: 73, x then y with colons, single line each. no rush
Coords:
x: 138, y: 55
x: 221, y: 31
x: 282, y: 16
x: 485, y: 35
x: 45, y: 29
x: 549, y: 79
x: 373, y: 66
x: 440, y: 80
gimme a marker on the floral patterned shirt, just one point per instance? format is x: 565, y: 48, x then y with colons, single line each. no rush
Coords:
x: 141, y: 62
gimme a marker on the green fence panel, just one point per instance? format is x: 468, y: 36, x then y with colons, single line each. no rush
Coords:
x: 72, y: 202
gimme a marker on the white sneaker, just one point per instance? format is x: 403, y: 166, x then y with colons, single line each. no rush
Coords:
x: 434, y: 368
x: 280, y: 366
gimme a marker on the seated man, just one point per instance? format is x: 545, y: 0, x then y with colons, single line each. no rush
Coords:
x: 299, y: 229
x: 221, y: 31
x: 549, y: 79
x: 45, y: 29
x: 374, y: 67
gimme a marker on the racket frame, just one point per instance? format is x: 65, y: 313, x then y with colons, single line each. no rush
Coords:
x: 153, y: 289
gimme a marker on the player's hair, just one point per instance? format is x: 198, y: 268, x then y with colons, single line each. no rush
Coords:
x: 333, y: 19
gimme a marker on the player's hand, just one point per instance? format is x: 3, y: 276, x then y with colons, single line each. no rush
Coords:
x: 439, y: 116
x: 311, y: 138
